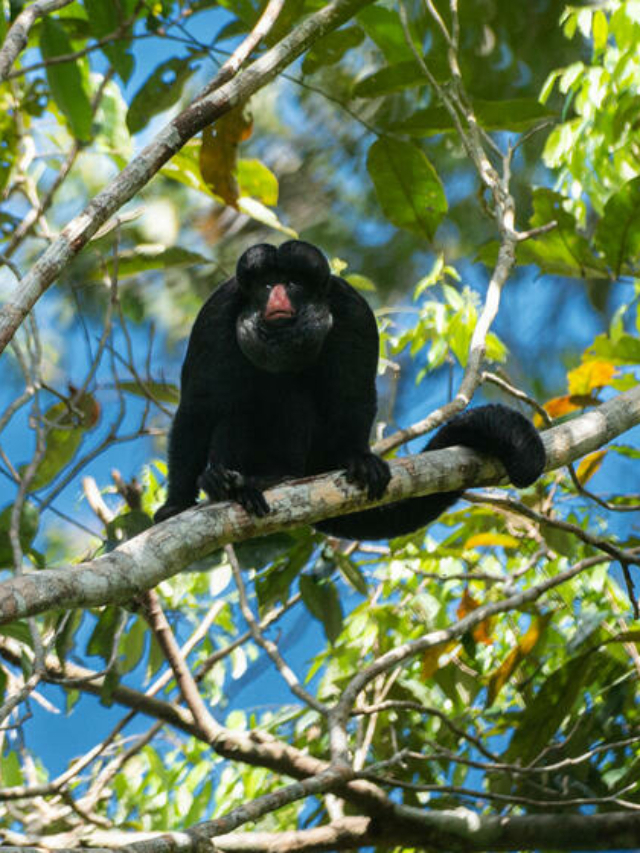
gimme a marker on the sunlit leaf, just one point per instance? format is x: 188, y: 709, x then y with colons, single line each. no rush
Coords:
x: 557, y: 407
x: 590, y: 375
x: 255, y: 180
x: 590, y: 465
x: 256, y: 210
x: 164, y: 392
x: 618, y: 231
x: 490, y: 540
x: 361, y: 282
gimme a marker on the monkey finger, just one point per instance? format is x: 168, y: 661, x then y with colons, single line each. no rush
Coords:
x: 253, y: 501
x: 370, y: 472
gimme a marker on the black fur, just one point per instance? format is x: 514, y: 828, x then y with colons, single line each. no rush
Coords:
x: 272, y: 394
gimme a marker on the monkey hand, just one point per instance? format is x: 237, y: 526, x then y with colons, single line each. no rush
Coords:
x: 222, y: 484
x: 370, y: 472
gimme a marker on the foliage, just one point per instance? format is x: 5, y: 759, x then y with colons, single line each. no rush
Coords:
x: 513, y: 697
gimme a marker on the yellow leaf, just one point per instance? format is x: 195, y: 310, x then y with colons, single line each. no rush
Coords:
x: 525, y: 646
x: 590, y: 465
x: 557, y: 407
x: 590, y: 375
x: 499, y: 540
x: 431, y: 658
x: 482, y: 632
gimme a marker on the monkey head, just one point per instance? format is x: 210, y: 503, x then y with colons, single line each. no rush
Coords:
x: 286, y: 315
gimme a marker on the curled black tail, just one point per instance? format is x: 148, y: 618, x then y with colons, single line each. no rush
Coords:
x: 495, y: 430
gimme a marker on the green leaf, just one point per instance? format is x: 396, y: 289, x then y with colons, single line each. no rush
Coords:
x: 18, y: 631
x: 256, y: 553
x: 8, y: 140
x: 66, y: 80
x: 352, y: 574
x: 407, y: 186
x: 393, y: 78
x: 618, y: 232
x: 102, y: 637
x: 126, y: 526
x: 111, y: 681
x: 625, y: 349
x: 361, y: 282
x: 104, y: 20
x: 384, y: 27
x: 164, y: 392
x: 154, y: 256
x: 111, y: 121
x: 545, y: 713
x: 517, y: 115
x: 256, y: 180
x: 600, y: 30
x: 29, y: 522
x: 185, y: 168
x: 256, y: 210
x: 10, y: 770
x: 323, y: 602
x: 64, y: 439
x: 562, y: 251
x: 330, y: 49
x: 161, y: 90
x: 132, y: 646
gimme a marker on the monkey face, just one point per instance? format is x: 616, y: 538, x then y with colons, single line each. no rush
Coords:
x: 286, y: 316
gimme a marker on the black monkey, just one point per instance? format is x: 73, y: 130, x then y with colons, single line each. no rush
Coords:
x: 279, y: 382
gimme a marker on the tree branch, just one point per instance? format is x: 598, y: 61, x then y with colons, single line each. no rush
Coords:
x: 18, y: 35
x: 163, y: 551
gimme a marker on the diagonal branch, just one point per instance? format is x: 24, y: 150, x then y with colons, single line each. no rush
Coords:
x: 166, y: 549
x: 18, y: 35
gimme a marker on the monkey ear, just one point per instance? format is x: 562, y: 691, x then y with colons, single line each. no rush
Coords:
x: 254, y: 263
x: 304, y: 261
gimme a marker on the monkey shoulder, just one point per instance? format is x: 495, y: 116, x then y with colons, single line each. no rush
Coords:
x: 350, y: 308
x: 212, y: 352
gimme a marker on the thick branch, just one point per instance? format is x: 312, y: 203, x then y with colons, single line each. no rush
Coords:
x: 202, y: 112
x: 459, y: 830
x: 163, y: 551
